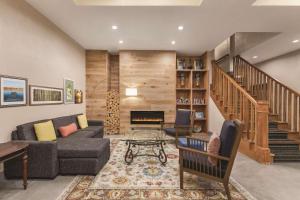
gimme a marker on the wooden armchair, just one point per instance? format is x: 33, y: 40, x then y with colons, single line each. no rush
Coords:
x: 183, y: 125
x: 195, y: 160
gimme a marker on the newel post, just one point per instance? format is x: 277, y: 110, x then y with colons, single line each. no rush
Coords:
x: 262, y: 131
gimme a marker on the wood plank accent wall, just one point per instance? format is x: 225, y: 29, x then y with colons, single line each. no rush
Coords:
x: 154, y: 75
x: 97, y: 62
x: 114, y: 72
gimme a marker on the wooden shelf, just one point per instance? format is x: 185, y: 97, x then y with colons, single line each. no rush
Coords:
x: 196, y: 86
x: 199, y: 70
x: 184, y: 70
x: 202, y: 119
x: 199, y: 89
x: 183, y: 88
x: 183, y: 104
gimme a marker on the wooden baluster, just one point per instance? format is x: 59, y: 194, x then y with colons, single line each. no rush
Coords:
x: 284, y: 112
x: 295, y: 114
x: 280, y: 103
x: 290, y: 110
x: 276, y: 99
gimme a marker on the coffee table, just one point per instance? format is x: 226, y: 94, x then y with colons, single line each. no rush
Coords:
x: 10, y: 150
x: 154, y: 139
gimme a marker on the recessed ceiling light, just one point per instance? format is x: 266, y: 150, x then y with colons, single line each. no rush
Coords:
x: 254, y: 57
x: 180, y: 28
x: 121, y: 41
x: 138, y: 2
x: 173, y: 42
x: 114, y: 27
x: 295, y: 41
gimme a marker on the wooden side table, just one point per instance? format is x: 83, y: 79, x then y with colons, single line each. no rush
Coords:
x: 12, y: 150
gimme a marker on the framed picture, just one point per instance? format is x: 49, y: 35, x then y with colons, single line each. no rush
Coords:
x: 199, y: 115
x: 69, y: 91
x: 13, y: 91
x: 78, y: 96
x: 40, y: 95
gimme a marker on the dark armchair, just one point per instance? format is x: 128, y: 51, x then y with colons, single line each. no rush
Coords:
x: 195, y: 160
x: 183, y: 125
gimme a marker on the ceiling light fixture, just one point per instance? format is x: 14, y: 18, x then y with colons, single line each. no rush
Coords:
x: 276, y: 3
x: 180, y: 28
x: 173, y: 42
x: 114, y: 27
x: 138, y: 2
x: 295, y: 41
x: 121, y: 41
x: 254, y: 57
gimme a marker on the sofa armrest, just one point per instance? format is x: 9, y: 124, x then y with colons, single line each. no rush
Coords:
x: 42, y: 161
x: 95, y: 123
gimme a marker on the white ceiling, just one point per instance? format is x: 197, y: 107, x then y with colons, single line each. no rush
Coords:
x: 273, y: 47
x: 153, y: 28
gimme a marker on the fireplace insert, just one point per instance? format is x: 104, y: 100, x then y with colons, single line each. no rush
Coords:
x: 147, y: 117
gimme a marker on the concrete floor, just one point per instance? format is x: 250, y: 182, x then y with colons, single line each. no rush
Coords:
x: 265, y: 182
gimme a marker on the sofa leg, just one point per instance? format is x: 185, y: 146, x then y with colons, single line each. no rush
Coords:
x: 226, y: 186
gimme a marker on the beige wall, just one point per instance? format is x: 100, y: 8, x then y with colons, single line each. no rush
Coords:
x: 285, y: 68
x: 154, y: 75
x: 33, y: 48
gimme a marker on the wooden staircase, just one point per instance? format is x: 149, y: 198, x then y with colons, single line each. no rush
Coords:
x: 283, y: 107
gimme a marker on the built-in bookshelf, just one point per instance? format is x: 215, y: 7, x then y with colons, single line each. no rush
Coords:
x: 192, y: 88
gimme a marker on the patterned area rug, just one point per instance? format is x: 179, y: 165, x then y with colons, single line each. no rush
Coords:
x: 146, y: 178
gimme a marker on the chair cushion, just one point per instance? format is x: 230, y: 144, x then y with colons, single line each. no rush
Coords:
x: 45, y: 131
x: 183, y: 117
x: 170, y: 131
x: 82, y: 134
x: 63, y: 121
x: 227, y: 138
x: 82, y: 121
x: 68, y: 130
x: 182, y: 141
x: 200, y: 163
x: 81, y: 148
x: 213, y: 147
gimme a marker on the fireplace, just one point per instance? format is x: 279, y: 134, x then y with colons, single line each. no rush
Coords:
x: 147, y: 117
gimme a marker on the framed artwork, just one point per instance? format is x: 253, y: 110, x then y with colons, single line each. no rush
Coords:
x: 199, y: 115
x: 78, y: 96
x: 40, y: 95
x: 13, y: 91
x: 69, y: 91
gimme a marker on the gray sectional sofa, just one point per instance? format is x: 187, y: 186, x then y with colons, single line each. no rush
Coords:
x: 84, y: 152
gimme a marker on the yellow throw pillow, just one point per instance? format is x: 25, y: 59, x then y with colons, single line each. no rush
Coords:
x: 82, y: 121
x: 45, y: 131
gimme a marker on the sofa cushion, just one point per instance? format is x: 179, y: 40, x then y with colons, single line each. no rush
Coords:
x: 27, y: 132
x: 96, y: 129
x: 81, y: 148
x: 45, y: 131
x: 63, y: 121
x: 82, y: 121
x: 65, y: 131
x: 82, y: 134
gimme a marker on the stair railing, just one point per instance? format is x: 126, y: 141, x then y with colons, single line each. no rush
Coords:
x: 284, y: 102
x: 235, y: 102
